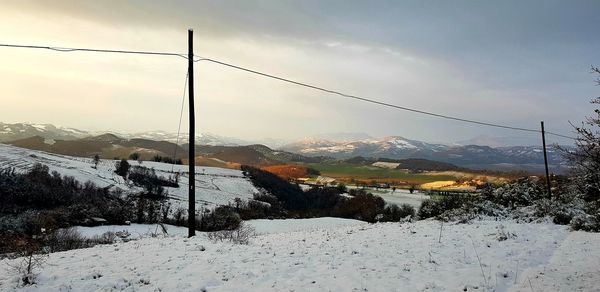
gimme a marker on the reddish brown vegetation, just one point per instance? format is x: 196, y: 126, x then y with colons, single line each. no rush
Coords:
x: 287, y: 172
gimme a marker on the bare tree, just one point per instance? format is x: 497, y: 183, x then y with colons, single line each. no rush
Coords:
x: 96, y: 161
x: 31, y: 258
x: 585, y: 157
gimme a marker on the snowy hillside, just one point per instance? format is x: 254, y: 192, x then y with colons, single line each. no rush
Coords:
x: 482, y: 256
x: 214, y: 186
x: 11, y: 132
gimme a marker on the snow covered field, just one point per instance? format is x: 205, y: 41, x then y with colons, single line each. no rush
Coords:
x: 214, y: 186
x: 397, y: 196
x: 260, y: 226
x: 265, y: 226
x: 482, y: 256
x: 400, y: 197
x: 137, y: 231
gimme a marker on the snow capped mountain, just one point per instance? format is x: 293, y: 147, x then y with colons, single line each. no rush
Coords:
x: 17, y: 131
x: 399, y: 142
x: 387, y: 146
x: 11, y: 132
x: 392, y: 147
x: 397, y: 147
x: 202, y: 138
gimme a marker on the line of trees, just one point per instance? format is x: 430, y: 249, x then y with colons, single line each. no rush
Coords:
x: 289, y: 201
x: 42, y: 200
x: 166, y: 159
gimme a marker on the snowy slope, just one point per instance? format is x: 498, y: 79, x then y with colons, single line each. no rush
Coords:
x: 266, y: 226
x: 400, y: 197
x: 574, y: 266
x: 260, y: 226
x: 365, y: 257
x: 214, y: 186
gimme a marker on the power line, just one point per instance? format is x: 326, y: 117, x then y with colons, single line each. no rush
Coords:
x: 67, y: 50
x: 187, y: 74
x: 374, y: 101
x: 560, y: 135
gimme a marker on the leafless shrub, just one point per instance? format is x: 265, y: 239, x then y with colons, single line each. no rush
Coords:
x: 70, y: 238
x: 179, y: 217
x: 31, y: 258
x: 240, y: 235
x: 105, y: 238
x: 502, y: 234
x: 27, y: 267
x: 65, y: 239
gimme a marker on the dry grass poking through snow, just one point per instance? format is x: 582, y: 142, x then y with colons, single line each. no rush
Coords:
x: 376, y: 257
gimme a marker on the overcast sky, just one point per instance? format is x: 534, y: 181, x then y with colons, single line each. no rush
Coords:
x: 508, y: 62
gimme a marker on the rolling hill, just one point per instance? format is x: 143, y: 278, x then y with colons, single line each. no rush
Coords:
x: 316, y: 149
x: 11, y: 132
x: 18, y: 131
x: 217, y: 186
x: 107, y: 146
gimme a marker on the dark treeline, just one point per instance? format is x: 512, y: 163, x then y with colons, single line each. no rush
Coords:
x: 40, y: 199
x: 281, y: 199
x: 166, y: 159
x: 152, y: 183
x: 289, y: 201
x: 43, y: 199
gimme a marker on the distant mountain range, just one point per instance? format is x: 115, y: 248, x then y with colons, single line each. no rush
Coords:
x: 111, y: 146
x: 340, y: 146
x: 528, y: 158
x: 12, y: 132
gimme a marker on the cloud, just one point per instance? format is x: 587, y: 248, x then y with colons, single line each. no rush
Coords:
x: 510, y: 62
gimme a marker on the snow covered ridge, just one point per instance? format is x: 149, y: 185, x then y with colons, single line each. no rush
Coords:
x: 214, y: 186
x: 395, y: 147
x: 11, y: 132
x: 482, y: 256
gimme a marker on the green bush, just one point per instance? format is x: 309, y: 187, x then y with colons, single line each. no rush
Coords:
x: 394, y: 213
x: 122, y: 168
x: 450, y: 202
x: 220, y: 218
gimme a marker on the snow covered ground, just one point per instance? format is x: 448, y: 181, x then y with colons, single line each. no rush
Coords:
x: 214, y: 186
x: 260, y: 226
x: 136, y: 231
x: 265, y: 226
x: 397, y: 196
x: 482, y: 256
x: 574, y: 266
x: 400, y: 197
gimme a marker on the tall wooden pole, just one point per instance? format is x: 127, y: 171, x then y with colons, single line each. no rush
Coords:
x: 192, y: 144
x: 546, y: 162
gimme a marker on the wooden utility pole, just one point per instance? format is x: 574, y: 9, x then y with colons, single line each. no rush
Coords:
x: 546, y: 162
x: 191, y: 144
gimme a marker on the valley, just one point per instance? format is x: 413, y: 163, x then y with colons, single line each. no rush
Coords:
x: 393, y: 161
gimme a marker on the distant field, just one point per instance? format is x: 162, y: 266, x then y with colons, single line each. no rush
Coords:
x: 346, y: 172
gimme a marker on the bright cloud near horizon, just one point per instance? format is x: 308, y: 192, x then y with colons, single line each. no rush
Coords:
x: 507, y: 62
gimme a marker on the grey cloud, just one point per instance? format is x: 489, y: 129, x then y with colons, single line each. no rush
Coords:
x: 462, y: 55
